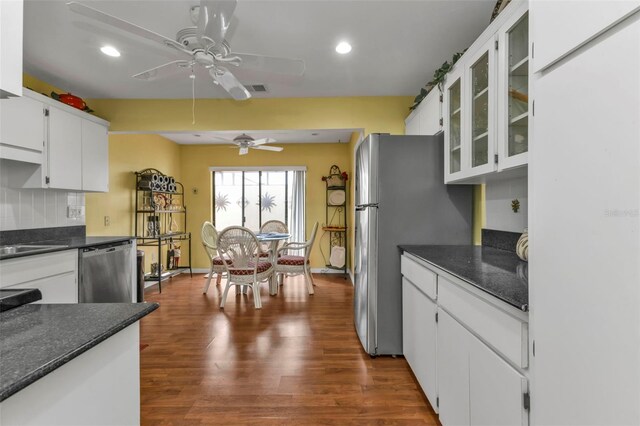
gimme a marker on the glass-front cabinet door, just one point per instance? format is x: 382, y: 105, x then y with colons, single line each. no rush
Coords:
x: 454, y: 124
x: 481, y: 76
x: 514, y: 93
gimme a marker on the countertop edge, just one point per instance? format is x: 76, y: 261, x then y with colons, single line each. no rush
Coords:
x: 59, y: 362
x: 107, y: 240
x: 523, y: 308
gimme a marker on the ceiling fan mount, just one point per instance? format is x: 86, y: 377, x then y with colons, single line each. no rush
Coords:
x: 203, y: 45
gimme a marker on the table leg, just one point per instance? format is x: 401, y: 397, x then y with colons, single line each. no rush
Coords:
x: 273, y: 282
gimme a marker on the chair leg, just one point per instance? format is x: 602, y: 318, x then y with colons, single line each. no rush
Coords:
x: 206, y: 286
x: 257, y: 302
x: 224, y: 294
x: 218, y: 278
x: 309, y: 280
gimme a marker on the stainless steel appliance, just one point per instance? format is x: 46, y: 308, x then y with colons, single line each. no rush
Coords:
x: 107, y: 273
x: 400, y: 198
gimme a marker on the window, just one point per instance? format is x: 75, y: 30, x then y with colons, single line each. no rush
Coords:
x: 251, y: 197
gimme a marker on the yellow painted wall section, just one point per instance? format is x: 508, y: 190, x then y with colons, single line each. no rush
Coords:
x: 318, y: 158
x: 129, y: 153
x: 39, y: 86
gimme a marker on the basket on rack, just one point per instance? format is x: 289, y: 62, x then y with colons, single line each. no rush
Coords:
x: 336, y: 178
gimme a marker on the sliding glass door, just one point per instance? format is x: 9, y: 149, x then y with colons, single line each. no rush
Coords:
x: 250, y: 198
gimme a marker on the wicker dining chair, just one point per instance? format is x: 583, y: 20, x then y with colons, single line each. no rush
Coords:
x: 240, y: 250
x: 209, y: 236
x: 289, y: 265
x: 273, y: 226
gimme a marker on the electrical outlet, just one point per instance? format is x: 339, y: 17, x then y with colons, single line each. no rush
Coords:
x: 107, y: 221
x: 74, y: 212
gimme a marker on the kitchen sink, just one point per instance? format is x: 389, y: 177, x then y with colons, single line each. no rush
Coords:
x: 24, y: 248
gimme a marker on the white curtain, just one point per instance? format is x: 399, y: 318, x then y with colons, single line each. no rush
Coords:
x: 296, y: 214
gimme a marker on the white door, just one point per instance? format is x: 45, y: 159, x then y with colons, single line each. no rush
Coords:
x: 495, y: 389
x: 95, y: 157
x: 585, y: 369
x: 65, y: 150
x: 22, y: 127
x: 453, y: 371
x: 560, y: 26
x: 419, y: 338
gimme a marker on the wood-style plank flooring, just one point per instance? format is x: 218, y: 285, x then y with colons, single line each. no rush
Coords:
x: 297, y: 361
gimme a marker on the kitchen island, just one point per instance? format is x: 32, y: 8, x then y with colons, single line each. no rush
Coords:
x: 71, y: 363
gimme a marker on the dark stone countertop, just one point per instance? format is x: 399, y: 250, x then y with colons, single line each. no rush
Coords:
x: 70, y: 243
x: 37, y: 339
x: 13, y: 298
x: 499, y: 273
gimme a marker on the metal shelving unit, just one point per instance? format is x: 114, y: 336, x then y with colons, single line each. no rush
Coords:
x: 336, y: 215
x: 161, y: 221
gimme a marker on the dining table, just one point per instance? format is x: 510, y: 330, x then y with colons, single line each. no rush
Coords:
x: 273, y: 238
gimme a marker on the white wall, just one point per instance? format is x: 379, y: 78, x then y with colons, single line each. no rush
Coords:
x: 498, y: 197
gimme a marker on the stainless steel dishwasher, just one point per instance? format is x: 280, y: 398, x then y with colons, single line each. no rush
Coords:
x: 107, y: 273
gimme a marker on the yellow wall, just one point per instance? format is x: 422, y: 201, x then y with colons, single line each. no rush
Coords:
x: 129, y: 153
x: 318, y: 158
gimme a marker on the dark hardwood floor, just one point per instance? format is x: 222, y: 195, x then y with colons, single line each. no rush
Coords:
x: 297, y: 361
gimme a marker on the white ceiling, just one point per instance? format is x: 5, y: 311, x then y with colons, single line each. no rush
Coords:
x: 396, y: 45
x: 281, y: 136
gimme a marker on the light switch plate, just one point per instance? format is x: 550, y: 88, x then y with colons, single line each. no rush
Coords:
x: 74, y: 212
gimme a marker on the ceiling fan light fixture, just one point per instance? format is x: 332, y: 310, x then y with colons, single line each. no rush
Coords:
x: 110, y: 51
x: 343, y: 48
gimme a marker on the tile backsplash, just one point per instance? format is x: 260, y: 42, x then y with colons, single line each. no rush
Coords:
x: 39, y: 208
x: 498, y: 197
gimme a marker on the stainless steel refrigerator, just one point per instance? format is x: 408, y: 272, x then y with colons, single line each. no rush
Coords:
x: 400, y: 198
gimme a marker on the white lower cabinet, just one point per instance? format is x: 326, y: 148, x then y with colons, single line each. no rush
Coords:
x: 419, y: 338
x: 468, y: 355
x: 54, y: 274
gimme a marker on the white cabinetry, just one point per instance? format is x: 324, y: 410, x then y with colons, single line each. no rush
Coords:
x: 426, y: 118
x: 65, y: 150
x: 54, y: 274
x: 19, y: 141
x: 75, y: 154
x: 486, y: 103
x: 11, y: 12
x: 586, y: 369
x: 468, y: 350
x: 554, y: 39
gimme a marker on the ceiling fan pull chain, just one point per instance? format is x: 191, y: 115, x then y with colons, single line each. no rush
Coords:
x: 193, y: 97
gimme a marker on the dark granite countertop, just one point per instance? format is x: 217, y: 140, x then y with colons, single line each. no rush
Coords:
x: 12, y: 298
x: 497, y: 272
x: 69, y: 243
x: 37, y: 339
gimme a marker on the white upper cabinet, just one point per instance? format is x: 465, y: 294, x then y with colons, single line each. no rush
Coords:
x: 11, y: 12
x: 53, y: 145
x: 65, y: 150
x: 18, y: 141
x: 426, y: 118
x: 486, y: 102
x: 556, y: 37
x: 95, y: 157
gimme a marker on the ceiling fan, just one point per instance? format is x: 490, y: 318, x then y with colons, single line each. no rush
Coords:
x: 203, y: 45
x: 244, y: 142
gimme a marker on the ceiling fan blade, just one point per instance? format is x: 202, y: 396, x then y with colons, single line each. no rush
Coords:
x: 244, y: 150
x: 162, y: 70
x: 113, y: 21
x: 271, y: 64
x: 263, y: 141
x: 213, y: 21
x: 268, y: 148
x: 230, y: 83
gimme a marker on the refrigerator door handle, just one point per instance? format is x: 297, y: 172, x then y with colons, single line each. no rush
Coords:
x: 362, y: 207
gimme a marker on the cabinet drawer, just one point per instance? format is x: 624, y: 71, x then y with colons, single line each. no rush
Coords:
x: 421, y: 277
x: 30, y: 268
x: 505, y: 333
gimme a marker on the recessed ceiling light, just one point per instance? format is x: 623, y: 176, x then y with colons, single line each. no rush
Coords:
x: 110, y: 51
x: 343, y: 48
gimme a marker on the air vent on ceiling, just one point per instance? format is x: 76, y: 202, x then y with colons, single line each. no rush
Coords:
x: 256, y: 88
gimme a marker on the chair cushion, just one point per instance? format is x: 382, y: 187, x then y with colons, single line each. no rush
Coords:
x: 291, y: 260
x: 262, y: 267
x: 217, y: 261
x: 264, y: 254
